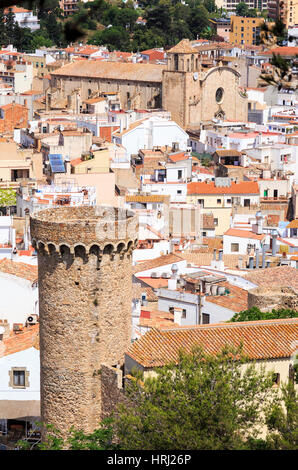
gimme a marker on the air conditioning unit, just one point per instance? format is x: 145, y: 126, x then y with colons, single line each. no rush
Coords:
x: 155, y: 275
x: 32, y: 319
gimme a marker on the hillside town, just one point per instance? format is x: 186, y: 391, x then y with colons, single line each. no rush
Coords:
x: 147, y: 199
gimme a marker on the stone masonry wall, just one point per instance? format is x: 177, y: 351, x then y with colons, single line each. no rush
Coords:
x: 85, y: 309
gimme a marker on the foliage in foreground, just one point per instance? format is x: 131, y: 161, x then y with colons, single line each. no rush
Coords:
x: 204, y: 402
x: 255, y: 313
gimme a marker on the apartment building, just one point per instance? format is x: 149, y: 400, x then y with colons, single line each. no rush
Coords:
x: 245, y: 31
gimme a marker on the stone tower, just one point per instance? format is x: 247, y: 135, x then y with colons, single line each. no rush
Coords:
x: 85, y: 281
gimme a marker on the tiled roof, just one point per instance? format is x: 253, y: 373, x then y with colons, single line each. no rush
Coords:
x: 138, y: 289
x: 282, y: 276
x: 157, y: 319
x: 157, y: 262
x: 293, y: 224
x: 21, y: 341
x: 178, y: 157
x: 112, y: 70
x: 155, y: 283
x: 25, y: 271
x: 228, y: 153
x: 244, y: 187
x: 204, y: 259
x: 283, y: 51
x: 183, y: 47
x: 149, y: 198
x: 232, y: 232
x: 261, y: 340
x: 236, y: 300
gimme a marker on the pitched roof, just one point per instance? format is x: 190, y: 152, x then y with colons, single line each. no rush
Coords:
x: 157, y: 262
x: 22, y: 270
x: 228, y: 153
x: 112, y: 71
x: 20, y: 342
x: 270, y: 339
x: 236, y: 300
x: 278, y: 276
x: 293, y: 224
x: 244, y: 187
x: 232, y: 232
x: 183, y: 47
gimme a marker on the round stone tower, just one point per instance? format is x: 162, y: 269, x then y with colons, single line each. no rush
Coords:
x: 85, y: 281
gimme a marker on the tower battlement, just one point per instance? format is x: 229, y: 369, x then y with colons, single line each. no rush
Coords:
x: 100, y: 229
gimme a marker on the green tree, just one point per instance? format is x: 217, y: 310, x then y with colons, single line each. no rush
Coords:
x: 3, y: 35
x: 282, y: 420
x: 115, y: 38
x: 203, y: 402
x: 255, y: 313
x: 241, y: 9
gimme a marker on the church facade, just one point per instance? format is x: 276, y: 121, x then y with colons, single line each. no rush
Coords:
x: 196, y: 93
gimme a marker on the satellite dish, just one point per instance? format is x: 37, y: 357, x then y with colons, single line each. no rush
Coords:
x: 195, y: 76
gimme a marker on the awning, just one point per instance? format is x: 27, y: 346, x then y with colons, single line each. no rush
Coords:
x: 14, y: 409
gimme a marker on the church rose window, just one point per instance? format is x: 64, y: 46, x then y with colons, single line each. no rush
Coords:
x: 219, y: 95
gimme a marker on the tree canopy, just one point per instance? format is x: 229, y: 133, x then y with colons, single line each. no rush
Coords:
x: 210, y: 402
x: 255, y: 313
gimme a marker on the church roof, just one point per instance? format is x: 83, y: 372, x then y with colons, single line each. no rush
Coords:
x: 183, y: 47
x: 112, y: 70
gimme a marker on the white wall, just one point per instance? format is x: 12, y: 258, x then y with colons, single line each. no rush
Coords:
x: 18, y: 298
x: 28, y: 358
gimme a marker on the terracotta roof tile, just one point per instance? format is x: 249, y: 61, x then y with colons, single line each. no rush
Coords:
x: 112, y: 70
x: 269, y: 339
x: 293, y: 224
x: 157, y: 262
x: 282, y: 276
x: 232, y: 232
x: 244, y: 187
x: 21, y: 341
x: 23, y: 270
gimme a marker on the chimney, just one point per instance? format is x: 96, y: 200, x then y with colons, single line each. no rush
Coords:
x: 274, y: 247
x: 251, y: 262
x: 177, y: 315
x: 240, y: 262
x: 257, y: 258
x: 172, y: 284
x: 263, y: 257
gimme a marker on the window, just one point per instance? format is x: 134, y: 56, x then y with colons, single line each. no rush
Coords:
x: 204, y: 234
x: 183, y: 313
x: 179, y: 174
x: 229, y: 201
x: 171, y: 309
x: 201, y: 201
x: 205, y: 318
x: 276, y: 379
x: 19, y: 377
x: 235, y: 247
x: 215, y: 222
x: 179, y: 191
x: 218, y: 201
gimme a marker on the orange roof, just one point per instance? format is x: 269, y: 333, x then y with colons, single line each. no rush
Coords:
x: 268, y: 339
x: 232, y: 232
x: 293, y: 224
x: 178, y: 157
x: 157, y: 262
x: 23, y: 270
x: 29, y: 338
x: 15, y: 9
x: 244, y: 187
x: 281, y: 276
x: 155, y: 283
x: 285, y: 50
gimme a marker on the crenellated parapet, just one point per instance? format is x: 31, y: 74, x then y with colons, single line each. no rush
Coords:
x: 80, y: 231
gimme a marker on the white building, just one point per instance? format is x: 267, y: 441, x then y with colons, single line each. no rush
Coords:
x: 148, y: 133
x: 19, y: 291
x: 19, y: 381
x: 25, y: 18
x: 7, y: 236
